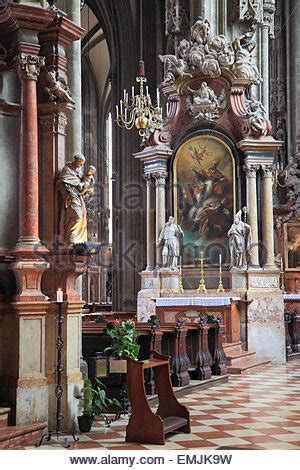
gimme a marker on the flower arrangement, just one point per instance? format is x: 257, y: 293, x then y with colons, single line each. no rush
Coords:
x: 124, y: 339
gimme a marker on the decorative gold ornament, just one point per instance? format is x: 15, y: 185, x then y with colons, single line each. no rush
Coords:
x: 180, y: 289
x: 220, y: 286
x: 201, y: 288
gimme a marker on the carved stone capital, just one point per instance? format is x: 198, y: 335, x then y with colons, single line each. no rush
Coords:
x: 251, y: 170
x: 267, y: 171
x: 29, y: 66
x: 54, y: 123
x: 160, y: 177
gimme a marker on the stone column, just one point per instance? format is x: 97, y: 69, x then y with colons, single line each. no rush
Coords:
x: 265, y: 66
x: 149, y: 225
x: 74, y: 144
x: 28, y: 67
x: 252, y: 211
x: 160, y: 206
x: 267, y: 220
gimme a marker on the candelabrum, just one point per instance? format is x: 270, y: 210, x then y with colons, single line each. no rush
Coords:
x: 180, y: 289
x: 201, y: 288
x: 138, y: 109
x: 220, y: 286
x: 59, y: 343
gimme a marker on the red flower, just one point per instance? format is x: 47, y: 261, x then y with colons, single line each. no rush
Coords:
x: 116, y: 322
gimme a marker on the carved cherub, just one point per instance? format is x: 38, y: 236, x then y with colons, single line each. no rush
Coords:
x: 173, y: 67
x: 89, y: 180
x: 55, y: 91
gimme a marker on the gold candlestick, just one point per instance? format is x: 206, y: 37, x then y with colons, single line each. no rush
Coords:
x: 201, y: 288
x: 180, y: 289
x: 220, y: 286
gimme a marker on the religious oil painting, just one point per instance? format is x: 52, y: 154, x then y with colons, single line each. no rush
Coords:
x: 292, y: 246
x: 204, y: 197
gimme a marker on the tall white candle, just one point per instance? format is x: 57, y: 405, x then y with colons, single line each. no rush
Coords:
x: 121, y: 106
x: 132, y: 91
x: 157, y: 97
x: 281, y: 264
x: 117, y: 110
x: 59, y: 295
x: 220, y: 263
x: 180, y: 263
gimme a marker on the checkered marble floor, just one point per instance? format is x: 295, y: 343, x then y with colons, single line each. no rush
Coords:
x: 259, y: 410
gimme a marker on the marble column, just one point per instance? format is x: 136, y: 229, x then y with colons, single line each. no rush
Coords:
x: 265, y: 66
x: 149, y: 225
x: 251, y: 171
x: 160, y: 205
x: 28, y: 67
x: 267, y: 219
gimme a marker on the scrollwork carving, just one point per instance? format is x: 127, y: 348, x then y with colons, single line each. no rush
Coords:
x: 209, y: 54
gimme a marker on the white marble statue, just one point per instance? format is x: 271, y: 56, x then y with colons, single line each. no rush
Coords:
x: 239, y: 242
x: 170, y: 237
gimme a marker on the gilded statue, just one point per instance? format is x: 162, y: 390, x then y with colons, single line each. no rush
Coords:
x: 75, y: 190
x: 170, y: 237
x: 239, y: 242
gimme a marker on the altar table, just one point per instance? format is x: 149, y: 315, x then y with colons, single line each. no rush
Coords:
x: 170, y: 309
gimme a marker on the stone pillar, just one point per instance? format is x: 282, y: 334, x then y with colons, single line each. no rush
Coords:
x: 74, y: 144
x: 265, y: 66
x: 53, y: 120
x: 267, y: 220
x: 160, y: 207
x: 28, y: 67
x: 149, y: 225
x: 252, y: 211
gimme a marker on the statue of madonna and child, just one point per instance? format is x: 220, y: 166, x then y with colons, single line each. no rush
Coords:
x: 76, y: 189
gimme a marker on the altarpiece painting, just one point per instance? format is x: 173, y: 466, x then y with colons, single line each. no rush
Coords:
x: 204, y: 197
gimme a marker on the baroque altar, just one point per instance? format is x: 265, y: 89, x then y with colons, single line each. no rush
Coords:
x: 202, y: 165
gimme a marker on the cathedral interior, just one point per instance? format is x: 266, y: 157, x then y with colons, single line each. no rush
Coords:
x: 151, y: 153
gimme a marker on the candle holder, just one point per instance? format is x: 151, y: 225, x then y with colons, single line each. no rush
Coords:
x: 220, y: 286
x: 282, y: 286
x: 59, y: 343
x: 201, y: 288
x: 180, y: 289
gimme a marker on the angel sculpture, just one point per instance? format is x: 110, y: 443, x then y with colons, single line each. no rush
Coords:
x: 55, y: 91
x: 173, y: 67
x: 204, y: 103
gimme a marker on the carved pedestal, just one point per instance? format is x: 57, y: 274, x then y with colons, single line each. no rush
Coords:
x: 295, y: 331
x: 203, y: 359
x: 181, y: 362
x: 265, y: 316
x: 218, y: 357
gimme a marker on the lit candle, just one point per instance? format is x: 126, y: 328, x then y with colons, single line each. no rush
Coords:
x: 59, y: 295
x: 125, y: 92
x: 117, y: 110
x: 220, y: 264
x: 147, y: 90
x: 121, y: 106
x: 125, y: 114
x: 167, y: 109
x: 132, y: 91
x: 157, y: 97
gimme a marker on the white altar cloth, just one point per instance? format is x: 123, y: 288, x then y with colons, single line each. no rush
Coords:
x: 194, y: 301
x: 291, y: 296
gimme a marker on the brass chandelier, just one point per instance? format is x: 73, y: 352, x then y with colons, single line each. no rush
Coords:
x: 138, y: 110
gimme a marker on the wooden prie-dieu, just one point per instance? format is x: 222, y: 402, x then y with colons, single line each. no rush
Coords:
x: 144, y: 425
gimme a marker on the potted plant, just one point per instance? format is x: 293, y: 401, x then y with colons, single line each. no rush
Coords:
x: 94, y: 401
x: 124, y: 344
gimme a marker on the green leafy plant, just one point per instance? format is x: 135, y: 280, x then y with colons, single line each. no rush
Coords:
x: 124, y: 339
x: 93, y: 398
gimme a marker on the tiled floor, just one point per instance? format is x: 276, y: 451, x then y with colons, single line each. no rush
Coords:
x: 260, y: 410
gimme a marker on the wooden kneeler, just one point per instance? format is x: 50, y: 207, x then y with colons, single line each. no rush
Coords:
x: 144, y: 426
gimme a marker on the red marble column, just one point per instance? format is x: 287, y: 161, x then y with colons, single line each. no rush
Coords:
x: 28, y: 67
